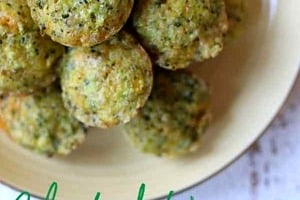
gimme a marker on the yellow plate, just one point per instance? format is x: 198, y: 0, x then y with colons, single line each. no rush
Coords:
x: 250, y: 81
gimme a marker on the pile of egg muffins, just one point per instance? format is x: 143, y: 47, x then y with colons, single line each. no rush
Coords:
x: 68, y: 65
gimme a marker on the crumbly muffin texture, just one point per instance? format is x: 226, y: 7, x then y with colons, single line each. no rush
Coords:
x: 27, y: 59
x: 179, y: 32
x: 40, y: 122
x: 174, y: 118
x: 80, y: 22
x: 107, y: 84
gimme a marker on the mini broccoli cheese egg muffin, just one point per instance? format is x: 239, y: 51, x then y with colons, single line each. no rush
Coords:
x: 40, y: 122
x: 27, y: 62
x: 174, y: 118
x: 178, y: 32
x: 27, y: 58
x: 80, y: 22
x: 106, y: 84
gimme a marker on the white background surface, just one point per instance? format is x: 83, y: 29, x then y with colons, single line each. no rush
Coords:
x: 270, y: 170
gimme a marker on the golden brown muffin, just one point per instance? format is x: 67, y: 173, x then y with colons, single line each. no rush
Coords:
x: 26, y: 58
x: 174, y: 118
x: 179, y: 32
x: 40, y: 122
x: 80, y: 22
x: 107, y: 84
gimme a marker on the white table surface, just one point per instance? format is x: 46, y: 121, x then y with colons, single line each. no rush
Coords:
x: 270, y: 170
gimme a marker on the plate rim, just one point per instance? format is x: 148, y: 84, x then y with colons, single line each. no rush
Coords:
x: 235, y: 159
